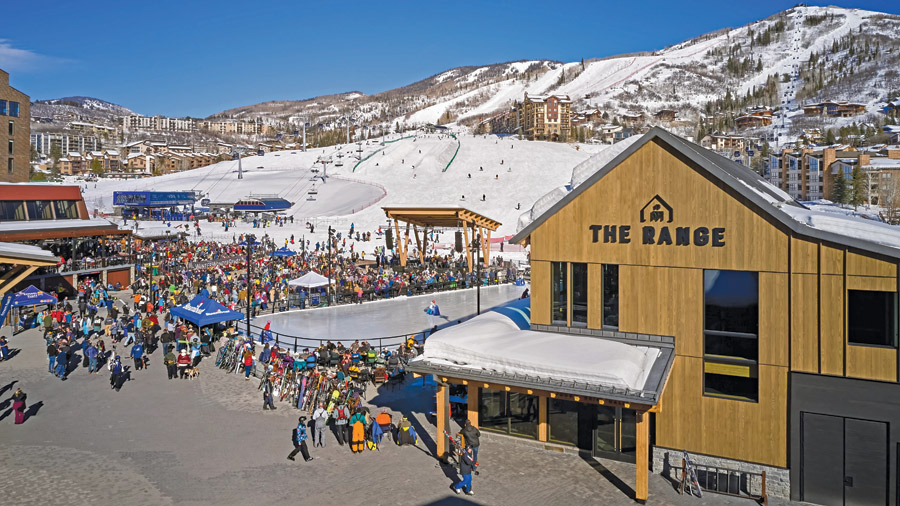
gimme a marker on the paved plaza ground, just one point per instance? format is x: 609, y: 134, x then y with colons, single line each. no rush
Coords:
x: 208, y: 442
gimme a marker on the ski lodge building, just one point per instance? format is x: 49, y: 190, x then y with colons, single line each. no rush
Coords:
x: 680, y: 302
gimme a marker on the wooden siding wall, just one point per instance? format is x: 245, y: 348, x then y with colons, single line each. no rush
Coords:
x: 802, y: 287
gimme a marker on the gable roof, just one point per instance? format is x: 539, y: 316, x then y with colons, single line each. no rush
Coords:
x: 768, y: 199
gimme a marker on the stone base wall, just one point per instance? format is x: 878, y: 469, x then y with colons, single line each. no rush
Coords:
x: 667, y: 463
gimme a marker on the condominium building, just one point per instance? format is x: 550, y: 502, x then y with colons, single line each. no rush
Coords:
x: 44, y: 142
x: 158, y: 123
x: 15, y: 108
x: 544, y: 117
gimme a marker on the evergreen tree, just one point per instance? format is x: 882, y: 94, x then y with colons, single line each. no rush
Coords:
x: 96, y: 166
x: 839, y: 190
x: 858, y: 193
x: 55, y: 154
x: 829, y: 137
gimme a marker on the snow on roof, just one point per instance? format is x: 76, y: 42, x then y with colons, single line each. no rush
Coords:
x: 883, y: 163
x: 847, y: 226
x: 493, y: 342
x: 580, y: 173
x: 25, y: 252
x: 18, y: 226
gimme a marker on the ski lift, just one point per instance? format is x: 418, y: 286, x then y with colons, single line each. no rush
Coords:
x: 311, y: 194
x: 339, y: 163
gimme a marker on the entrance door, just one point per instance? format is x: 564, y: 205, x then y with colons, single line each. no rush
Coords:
x: 865, y: 462
x: 843, y: 460
x: 614, y: 433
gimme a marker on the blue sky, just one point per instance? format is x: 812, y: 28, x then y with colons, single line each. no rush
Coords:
x: 199, y: 57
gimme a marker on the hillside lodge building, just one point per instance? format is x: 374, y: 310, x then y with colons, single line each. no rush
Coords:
x: 539, y: 117
x: 730, y: 329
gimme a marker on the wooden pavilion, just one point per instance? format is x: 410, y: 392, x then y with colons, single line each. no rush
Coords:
x: 441, y: 217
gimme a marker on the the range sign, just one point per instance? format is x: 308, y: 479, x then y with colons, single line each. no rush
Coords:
x: 655, y: 229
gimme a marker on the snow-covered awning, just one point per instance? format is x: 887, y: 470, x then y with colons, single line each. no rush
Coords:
x: 493, y: 348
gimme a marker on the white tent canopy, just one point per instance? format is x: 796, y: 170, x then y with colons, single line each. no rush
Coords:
x: 310, y: 280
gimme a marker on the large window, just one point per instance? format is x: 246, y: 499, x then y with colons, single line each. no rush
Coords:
x: 562, y: 418
x: 508, y: 412
x: 66, y: 209
x: 558, y: 298
x: 12, y: 210
x: 579, y: 295
x: 610, y: 296
x: 872, y: 318
x: 730, y: 336
x: 3, y: 108
x: 14, y: 109
x: 39, y: 209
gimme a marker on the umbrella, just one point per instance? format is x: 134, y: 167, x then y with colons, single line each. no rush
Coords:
x: 283, y: 252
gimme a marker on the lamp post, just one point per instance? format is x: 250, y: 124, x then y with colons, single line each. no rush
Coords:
x: 330, y: 273
x: 249, y: 239
x: 476, y: 247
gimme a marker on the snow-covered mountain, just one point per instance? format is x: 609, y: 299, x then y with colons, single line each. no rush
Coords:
x: 795, y: 56
x: 78, y: 108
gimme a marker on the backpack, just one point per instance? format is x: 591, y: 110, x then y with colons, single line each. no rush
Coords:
x: 342, y: 413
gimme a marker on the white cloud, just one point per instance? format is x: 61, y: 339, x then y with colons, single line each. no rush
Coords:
x: 13, y: 59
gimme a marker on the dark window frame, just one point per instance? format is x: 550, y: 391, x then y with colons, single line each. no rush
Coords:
x: 604, y: 269
x: 753, y: 365
x: 577, y: 307
x: 559, y: 299
x: 894, y: 323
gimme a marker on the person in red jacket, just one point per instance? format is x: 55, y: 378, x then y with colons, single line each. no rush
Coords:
x: 248, y: 363
x: 183, y: 362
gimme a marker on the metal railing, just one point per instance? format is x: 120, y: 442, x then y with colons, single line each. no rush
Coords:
x: 95, y: 263
x: 378, y: 342
x: 727, y: 481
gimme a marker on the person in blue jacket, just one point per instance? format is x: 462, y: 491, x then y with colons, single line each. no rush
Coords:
x: 91, y: 353
x: 299, y: 439
x: 137, y: 353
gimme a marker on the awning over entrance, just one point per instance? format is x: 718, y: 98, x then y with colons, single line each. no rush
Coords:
x: 596, y: 369
x: 494, y: 348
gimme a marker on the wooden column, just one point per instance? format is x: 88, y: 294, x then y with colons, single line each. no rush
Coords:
x: 486, y: 246
x: 642, y: 457
x: 397, y: 244
x: 474, y: 399
x: 418, y: 241
x: 466, y: 244
x: 543, y: 426
x: 442, y: 417
x: 405, y: 253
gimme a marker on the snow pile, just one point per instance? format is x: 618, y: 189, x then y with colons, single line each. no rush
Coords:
x: 847, y: 226
x: 493, y: 342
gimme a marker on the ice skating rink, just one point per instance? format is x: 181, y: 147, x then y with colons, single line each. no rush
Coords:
x: 390, y: 317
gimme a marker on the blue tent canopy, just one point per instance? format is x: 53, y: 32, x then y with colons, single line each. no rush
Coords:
x: 202, y: 311
x: 31, y: 296
x: 283, y: 252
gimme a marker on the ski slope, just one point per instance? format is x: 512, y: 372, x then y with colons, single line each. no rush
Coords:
x: 508, y: 173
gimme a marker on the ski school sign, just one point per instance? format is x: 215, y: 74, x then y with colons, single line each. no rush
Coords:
x: 654, y: 229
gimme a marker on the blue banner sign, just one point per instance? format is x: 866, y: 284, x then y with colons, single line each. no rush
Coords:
x: 153, y: 199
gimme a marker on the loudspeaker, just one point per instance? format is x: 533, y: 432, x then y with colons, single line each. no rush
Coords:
x: 459, y: 246
x: 389, y: 239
